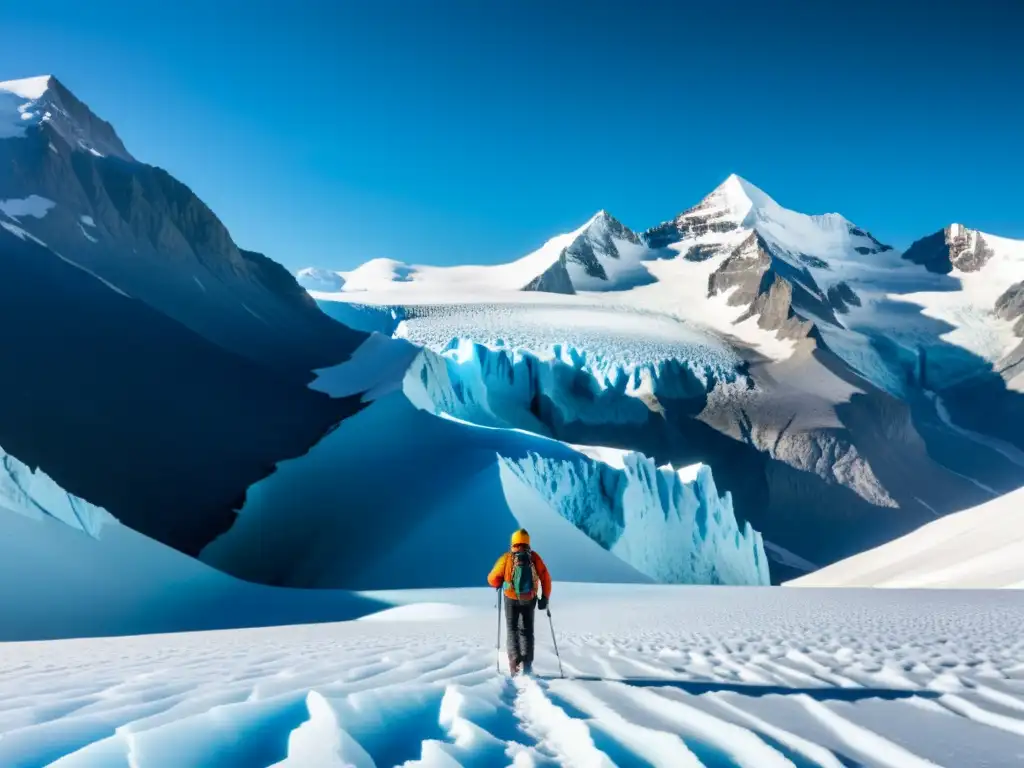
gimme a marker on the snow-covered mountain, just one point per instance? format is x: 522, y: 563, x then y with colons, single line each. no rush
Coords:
x: 823, y: 381
x: 831, y: 382
x: 189, y: 418
x: 602, y: 255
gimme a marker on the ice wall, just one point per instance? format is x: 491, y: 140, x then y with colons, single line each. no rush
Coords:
x: 445, y: 453
x: 505, y: 387
x: 671, y: 525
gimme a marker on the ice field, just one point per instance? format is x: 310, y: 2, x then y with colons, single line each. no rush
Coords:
x: 655, y: 676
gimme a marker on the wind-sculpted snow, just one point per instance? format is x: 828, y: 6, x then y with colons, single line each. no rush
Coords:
x: 662, y: 676
x: 668, y: 524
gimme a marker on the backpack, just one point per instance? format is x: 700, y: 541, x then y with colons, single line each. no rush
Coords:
x: 522, y: 576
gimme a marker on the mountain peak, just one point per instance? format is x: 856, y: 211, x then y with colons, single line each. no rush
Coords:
x: 739, y: 197
x: 44, y: 101
x: 30, y: 87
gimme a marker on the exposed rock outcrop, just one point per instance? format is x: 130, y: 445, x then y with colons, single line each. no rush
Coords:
x: 955, y: 246
x: 555, y: 279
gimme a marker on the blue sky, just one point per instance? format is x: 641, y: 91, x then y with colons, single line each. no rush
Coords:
x: 328, y: 132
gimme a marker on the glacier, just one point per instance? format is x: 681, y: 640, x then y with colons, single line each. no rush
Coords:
x: 416, y: 468
x: 561, y: 385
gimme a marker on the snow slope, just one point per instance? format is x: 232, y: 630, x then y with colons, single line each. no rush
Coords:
x: 661, y: 676
x: 979, y: 548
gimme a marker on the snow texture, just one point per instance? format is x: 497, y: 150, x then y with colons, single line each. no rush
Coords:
x: 663, y: 676
x: 978, y: 548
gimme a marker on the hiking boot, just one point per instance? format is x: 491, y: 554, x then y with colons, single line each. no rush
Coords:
x: 513, y: 666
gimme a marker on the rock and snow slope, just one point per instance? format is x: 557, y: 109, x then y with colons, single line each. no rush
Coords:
x: 784, y: 350
x: 150, y: 366
x: 602, y: 255
x: 655, y: 676
x: 143, y: 231
x: 130, y: 409
x: 977, y: 548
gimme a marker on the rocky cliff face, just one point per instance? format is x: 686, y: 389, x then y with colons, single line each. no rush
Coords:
x: 1010, y: 306
x: 555, y: 279
x: 597, y: 243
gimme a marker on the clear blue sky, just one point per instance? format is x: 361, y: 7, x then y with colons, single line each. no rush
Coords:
x: 328, y: 132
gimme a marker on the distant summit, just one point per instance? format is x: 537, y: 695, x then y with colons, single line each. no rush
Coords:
x: 44, y: 101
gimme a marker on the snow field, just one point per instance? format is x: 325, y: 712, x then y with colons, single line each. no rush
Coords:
x: 656, y: 676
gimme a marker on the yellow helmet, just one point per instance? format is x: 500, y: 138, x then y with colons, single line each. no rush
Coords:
x: 521, y: 537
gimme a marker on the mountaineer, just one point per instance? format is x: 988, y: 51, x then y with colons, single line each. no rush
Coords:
x: 521, y: 571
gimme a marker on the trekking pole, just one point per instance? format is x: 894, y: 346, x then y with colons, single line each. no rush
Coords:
x: 497, y: 644
x: 555, y: 643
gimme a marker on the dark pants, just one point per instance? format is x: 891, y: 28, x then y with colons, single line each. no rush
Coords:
x: 519, y: 622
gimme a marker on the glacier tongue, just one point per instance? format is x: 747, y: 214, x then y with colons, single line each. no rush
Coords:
x: 669, y: 524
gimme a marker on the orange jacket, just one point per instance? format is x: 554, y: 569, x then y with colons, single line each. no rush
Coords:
x: 501, y: 573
